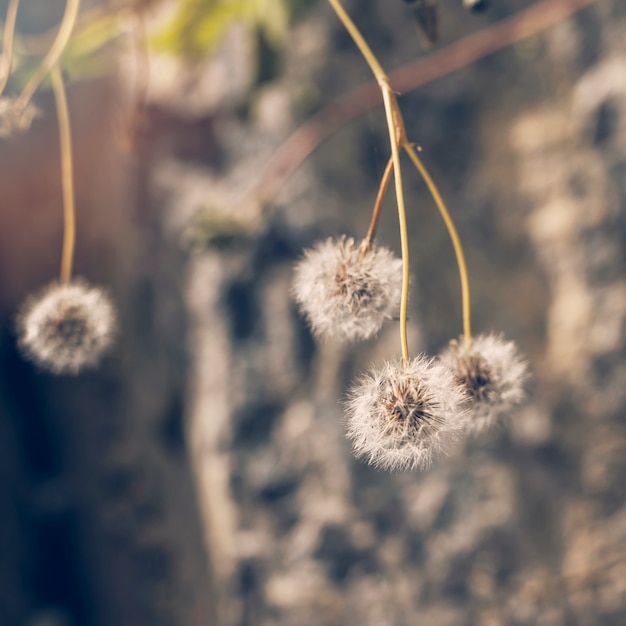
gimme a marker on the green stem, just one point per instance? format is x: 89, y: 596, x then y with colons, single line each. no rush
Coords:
x: 67, y: 175
x: 404, y: 235
x: 454, y: 236
x: 363, y: 46
x: 397, y: 137
x: 7, y: 44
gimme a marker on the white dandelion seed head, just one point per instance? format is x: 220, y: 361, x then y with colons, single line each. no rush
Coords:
x: 491, y: 371
x: 403, y: 414
x: 66, y: 328
x: 347, y: 292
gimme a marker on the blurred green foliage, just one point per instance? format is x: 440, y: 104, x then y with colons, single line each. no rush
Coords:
x: 194, y: 31
x: 198, y: 26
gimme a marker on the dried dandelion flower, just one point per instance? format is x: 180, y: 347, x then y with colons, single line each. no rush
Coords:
x: 347, y: 292
x: 403, y: 414
x: 492, y: 373
x: 66, y: 328
x: 13, y: 119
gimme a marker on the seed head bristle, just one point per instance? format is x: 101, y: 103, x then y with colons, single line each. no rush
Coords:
x: 403, y: 414
x: 66, y: 328
x: 346, y: 292
x: 491, y: 372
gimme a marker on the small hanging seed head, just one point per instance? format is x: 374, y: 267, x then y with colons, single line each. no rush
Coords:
x: 403, y: 414
x: 347, y: 292
x: 491, y: 372
x: 66, y: 328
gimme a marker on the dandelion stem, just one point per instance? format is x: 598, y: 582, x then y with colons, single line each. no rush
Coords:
x: 67, y: 175
x: 397, y: 137
x: 359, y: 40
x: 7, y: 44
x: 53, y: 55
x: 388, y: 99
x: 382, y: 190
x: 456, y: 241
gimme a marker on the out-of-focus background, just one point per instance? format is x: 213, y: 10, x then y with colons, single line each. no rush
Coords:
x: 201, y: 475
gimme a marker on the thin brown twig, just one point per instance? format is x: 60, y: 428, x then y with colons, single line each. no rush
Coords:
x: 384, y: 184
x: 290, y: 155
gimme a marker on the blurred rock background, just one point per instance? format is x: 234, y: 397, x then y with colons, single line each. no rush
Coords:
x: 201, y: 474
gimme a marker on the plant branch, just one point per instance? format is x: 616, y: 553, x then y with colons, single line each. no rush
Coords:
x: 298, y: 146
x: 382, y: 190
x: 7, y: 44
x: 67, y: 175
x: 53, y: 55
x: 454, y: 236
x: 396, y: 137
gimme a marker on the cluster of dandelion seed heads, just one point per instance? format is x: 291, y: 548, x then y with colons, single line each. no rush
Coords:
x: 401, y: 415
x: 492, y: 373
x: 66, y: 328
x: 347, y: 292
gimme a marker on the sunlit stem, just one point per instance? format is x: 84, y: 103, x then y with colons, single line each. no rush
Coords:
x: 454, y: 236
x: 53, y: 55
x: 363, y: 46
x: 382, y: 190
x: 67, y: 175
x: 7, y: 44
x: 389, y: 100
x: 397, y: 137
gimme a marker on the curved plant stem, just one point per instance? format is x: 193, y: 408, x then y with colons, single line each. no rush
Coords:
x: 456, y: 241
x: 397, y: 134
x: 389, y: 100
x: 382, y: 190
x: 363, y: 46
x: 7, y: 44
x: 397, y: 137
x: 67, y: 176
x: 54, y: 54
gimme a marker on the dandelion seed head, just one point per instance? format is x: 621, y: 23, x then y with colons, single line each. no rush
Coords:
x: 491, y: 371
x: 66, y: 328
x: 403, y: 414
x: 347, y: 292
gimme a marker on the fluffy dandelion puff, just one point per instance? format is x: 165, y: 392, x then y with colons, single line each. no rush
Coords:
x: 347, y: 292
x: 491, y: 371
x: 66, y: 328
x: 403, y: 414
